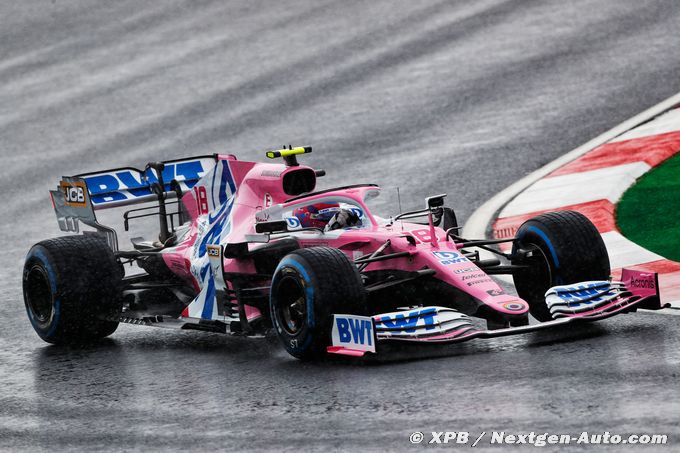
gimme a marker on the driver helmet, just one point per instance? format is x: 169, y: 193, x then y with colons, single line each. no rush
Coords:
x: 316, y: 215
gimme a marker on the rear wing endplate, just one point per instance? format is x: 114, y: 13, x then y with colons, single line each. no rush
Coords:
x: 72, y: 204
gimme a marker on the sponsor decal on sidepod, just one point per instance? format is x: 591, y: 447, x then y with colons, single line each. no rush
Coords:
x: 448, y: 258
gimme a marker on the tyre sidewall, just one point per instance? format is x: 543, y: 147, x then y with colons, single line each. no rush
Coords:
x: 532, y: 236
x: 48, y: 331
x: 305, y: 342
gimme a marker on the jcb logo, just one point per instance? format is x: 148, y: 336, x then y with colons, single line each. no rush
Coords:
x: 213, y: 250
x: 74, y: 194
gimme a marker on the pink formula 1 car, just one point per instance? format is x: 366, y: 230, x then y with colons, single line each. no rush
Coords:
x: 246, y: 248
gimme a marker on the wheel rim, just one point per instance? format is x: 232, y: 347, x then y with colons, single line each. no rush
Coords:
x: 39, y: 294
x: 292, y: 306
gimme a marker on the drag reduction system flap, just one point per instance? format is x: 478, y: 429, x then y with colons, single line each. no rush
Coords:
x: 128, y: 185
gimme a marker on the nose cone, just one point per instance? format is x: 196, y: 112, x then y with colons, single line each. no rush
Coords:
x: 507, y: 304
x: 516, y: 306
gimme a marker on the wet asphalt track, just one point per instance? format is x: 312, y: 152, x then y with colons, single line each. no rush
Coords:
x: 457, y: 97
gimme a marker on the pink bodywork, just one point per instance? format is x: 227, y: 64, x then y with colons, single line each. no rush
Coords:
x: 259, y: 196
x: 640, y: 283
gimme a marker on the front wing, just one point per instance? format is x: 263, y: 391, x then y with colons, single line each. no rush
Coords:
x: 583, y: 302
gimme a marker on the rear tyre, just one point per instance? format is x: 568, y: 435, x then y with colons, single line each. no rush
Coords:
x: 566, y: 248
x: 308, y: 286
x: 72, y: 289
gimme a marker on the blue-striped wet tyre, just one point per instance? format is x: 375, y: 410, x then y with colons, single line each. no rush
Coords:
x: 72, y: 289
x: 567, y: 248
x: 308, y: 286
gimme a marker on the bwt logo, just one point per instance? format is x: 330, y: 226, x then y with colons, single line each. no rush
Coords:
x: 448, y: 258
x: 583, y: 294
x: 408, y: 322
x: 578, y: 292
x: 108, y: 187
x: 357, y: 331
x: 293, y: 223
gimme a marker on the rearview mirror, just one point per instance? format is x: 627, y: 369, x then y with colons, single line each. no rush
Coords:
x: 435, y: 201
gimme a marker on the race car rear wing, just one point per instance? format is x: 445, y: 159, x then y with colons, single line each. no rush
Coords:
x: 78, y: 197
x: 128, y: 185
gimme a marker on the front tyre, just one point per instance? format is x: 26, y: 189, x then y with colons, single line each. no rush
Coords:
x: 565, y: 248
x: 308, y: 286
x: 72, y: 289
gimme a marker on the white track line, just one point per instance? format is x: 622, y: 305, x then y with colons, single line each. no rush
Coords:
x: 668, y: 122
x: 606, y: 183
x: 480, y: 220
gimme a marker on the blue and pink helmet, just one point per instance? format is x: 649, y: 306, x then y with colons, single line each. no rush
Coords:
x: 316, y: 215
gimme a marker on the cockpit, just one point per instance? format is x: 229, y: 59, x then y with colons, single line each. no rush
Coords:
x: 327, y: 214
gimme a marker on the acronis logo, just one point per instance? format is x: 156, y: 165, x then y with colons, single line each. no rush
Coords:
x: 408, y: 321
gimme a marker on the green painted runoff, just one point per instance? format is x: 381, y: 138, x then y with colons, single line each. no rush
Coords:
x: 649, y: 212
